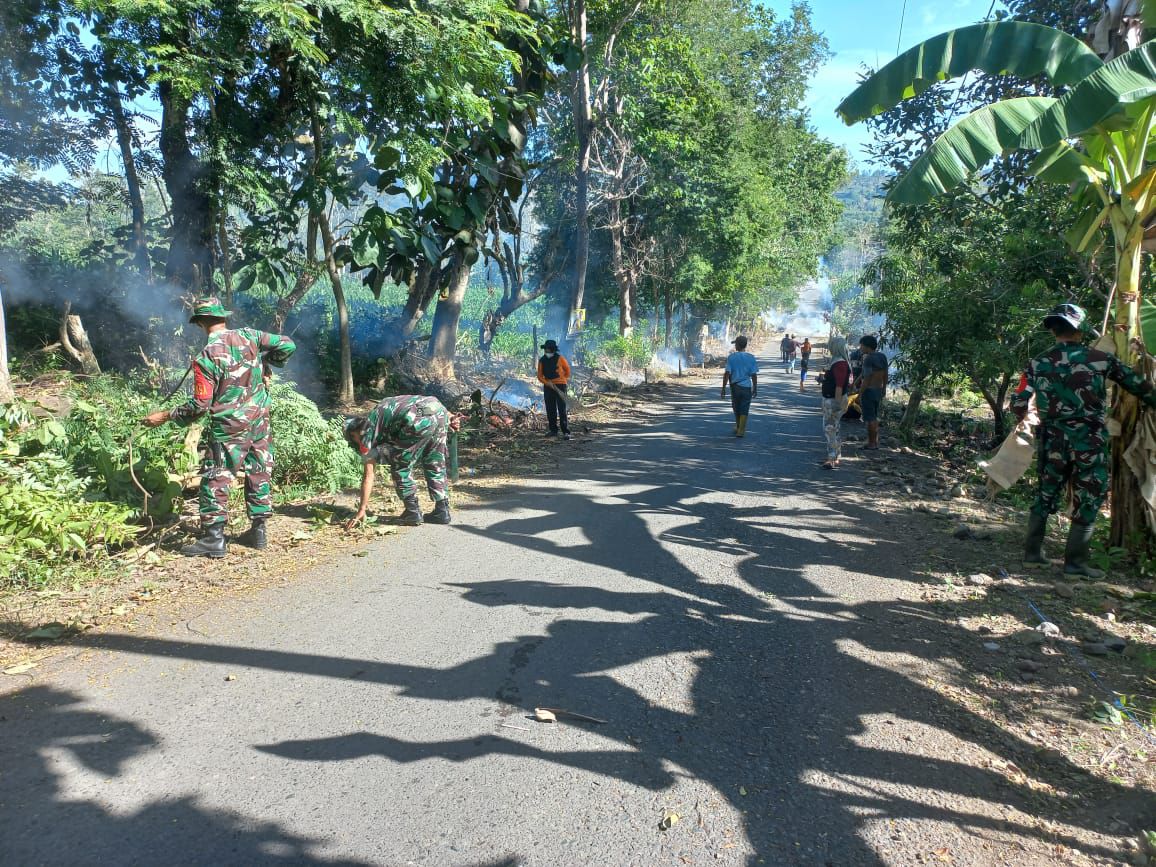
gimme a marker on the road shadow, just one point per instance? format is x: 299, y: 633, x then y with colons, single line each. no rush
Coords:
x: 803, y: 707
x: 42, y: 822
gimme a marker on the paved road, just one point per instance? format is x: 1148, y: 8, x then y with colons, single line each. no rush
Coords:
x: 746, y: 624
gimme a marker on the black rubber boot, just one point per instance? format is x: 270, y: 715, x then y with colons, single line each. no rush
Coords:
x: 212, y: 544
x: 255, y: 536
x: 1034, y: 543
x: 411, y: 517
x: 440, y: 513
x: 1076, y: 552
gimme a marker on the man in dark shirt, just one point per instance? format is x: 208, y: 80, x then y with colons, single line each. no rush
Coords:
x: 872, y: 386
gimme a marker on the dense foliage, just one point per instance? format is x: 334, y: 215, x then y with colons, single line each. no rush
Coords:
x: 68, y: 495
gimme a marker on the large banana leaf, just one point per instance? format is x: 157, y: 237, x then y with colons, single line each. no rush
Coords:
x: 966, y: 147
x: 999, y: 48
x: 1106, y: 93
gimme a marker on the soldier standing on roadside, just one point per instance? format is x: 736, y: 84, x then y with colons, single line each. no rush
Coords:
x: 1069, y: 383
x: 229, y: 386
x: 406, y: 431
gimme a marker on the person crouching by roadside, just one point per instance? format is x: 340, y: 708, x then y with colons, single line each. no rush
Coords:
x: 406, y: 431
x: 554, y: 374
x: 742, y: 373
x: 835, y: 383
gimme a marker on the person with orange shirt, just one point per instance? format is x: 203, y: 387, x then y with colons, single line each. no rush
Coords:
x: 554, y: 374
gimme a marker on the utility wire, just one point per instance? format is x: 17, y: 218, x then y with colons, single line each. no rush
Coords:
x: 902, y: 17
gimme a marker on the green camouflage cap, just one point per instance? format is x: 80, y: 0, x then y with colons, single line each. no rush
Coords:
x: 209, y: 307
x: 1068, y: 313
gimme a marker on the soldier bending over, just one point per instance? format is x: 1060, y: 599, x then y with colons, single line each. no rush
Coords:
x: 406, y: 431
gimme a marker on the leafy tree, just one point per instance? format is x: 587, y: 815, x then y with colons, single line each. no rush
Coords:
x: 1095, y: 137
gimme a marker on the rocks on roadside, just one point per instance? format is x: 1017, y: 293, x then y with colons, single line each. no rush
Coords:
x: 1063, y: 590
x: 1115, y: 643
x: 1094, y: 648
x: 1048, y: 629
x: 991, y: 645
x: 962, y: 532
x: 980, y: 580
x: 1028, y: 665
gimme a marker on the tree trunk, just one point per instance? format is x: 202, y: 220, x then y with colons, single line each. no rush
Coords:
x: 226, y: 258
x: 285, y: 304
x: 345, y: 383
x: 421, y: 293
x: 6, y: 393
x: 1129, y: 518
x: 911, y: 413
x: 668, y: 312
x: 190, y: 260
x: 621, y: 274
x: 74, y: 341
x: 583, y: 121
x: 131, y: 178
x: 443, y: 342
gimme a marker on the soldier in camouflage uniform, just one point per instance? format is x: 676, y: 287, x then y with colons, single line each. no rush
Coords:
x: 229, y: 386
x: 1069, y: 383
x: 407, y: 431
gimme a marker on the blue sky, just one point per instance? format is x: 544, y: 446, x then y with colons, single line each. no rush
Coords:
x: 865, y: 31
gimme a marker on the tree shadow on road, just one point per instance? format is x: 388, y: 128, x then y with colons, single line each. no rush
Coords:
x: 808, y: 711
x: 41, y: 822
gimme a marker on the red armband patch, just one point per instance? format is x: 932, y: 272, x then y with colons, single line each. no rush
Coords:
x: 202, y: 385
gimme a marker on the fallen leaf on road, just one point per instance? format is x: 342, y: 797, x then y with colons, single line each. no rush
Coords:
x: 360, y: 553
x: 230, y: 677
x: 543, y: 715
x: 557, y: 711
x: 20, y: 668
x: 669, y: 820
x: 48, y: 632
x: 742, y: 790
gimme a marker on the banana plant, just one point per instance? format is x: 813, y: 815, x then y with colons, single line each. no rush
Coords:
x: 1095, y: 136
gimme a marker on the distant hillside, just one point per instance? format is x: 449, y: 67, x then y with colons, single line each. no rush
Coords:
x: 862, y: 198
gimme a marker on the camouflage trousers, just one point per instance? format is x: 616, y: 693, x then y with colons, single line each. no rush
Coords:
x: 1075, y: 454
x: 425, y: 449
x: 253, y: 456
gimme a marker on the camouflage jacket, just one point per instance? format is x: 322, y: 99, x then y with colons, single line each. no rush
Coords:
x: 229, y: 381
x: 1070, y: 384
x: 398, y: 422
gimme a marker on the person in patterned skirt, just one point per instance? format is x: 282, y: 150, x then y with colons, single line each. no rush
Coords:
x: 408, y: 431
x: 229, y: 387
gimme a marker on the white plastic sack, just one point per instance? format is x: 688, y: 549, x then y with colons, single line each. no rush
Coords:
x: 1014, y: 457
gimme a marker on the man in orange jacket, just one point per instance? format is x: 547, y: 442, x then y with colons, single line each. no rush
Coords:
x: 554, y: 374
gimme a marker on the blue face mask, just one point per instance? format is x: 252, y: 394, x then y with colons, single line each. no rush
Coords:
x: 549, y: 354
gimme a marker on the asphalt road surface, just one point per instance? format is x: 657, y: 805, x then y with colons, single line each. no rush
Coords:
x: 746, y: 624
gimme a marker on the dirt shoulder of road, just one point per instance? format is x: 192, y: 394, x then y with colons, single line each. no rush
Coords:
x: 154, y: 583
x: 1067, y: 665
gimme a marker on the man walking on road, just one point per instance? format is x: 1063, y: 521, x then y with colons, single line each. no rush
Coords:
x: 1069, y: 383
x: 742, y: 373
x: 229, y: 386
x: 792, y: 352
x: 407, y: 431
x: 872, y: 386
x: 554, y: 374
